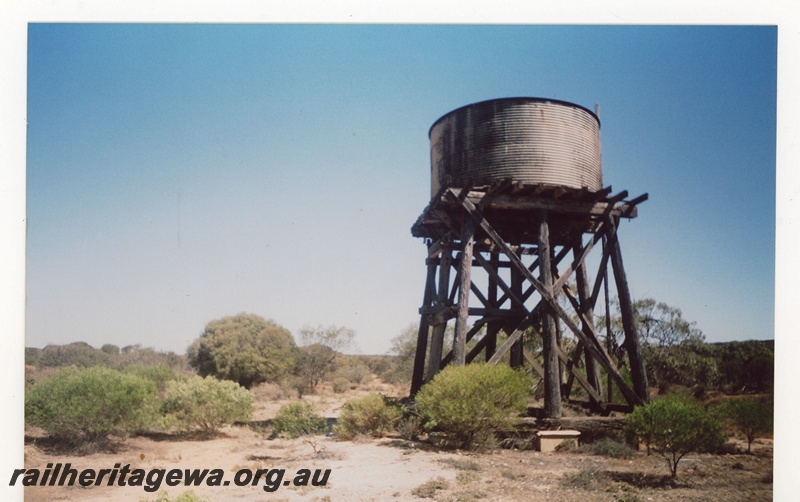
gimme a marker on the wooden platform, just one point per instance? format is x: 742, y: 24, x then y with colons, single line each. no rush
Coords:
x: 512, y: 208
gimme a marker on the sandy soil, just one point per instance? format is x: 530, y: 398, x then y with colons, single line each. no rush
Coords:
x: 395, y: 469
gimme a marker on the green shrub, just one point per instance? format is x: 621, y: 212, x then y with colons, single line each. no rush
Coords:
x: 673, y: 427
x: 750, y: 417
x: 371, y: 414
x: 159, y: 375
x: 298, y: 419
x: 244, y: 348
x: 91, y: 403
x: 206, y: 403
x: 471, y: 401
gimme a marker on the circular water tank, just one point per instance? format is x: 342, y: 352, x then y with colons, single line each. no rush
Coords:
x: 530, y: 140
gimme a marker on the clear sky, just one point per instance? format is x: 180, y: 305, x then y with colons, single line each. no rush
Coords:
x: 180, y: 173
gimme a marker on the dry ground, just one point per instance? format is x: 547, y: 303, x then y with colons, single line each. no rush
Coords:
x: 395, y: 469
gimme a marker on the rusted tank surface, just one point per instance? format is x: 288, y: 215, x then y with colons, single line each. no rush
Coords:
x: 531, y: 140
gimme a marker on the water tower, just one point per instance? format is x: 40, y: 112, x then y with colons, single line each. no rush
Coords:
x: 517, y: 205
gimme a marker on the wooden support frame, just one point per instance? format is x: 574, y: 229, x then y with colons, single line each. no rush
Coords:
x: 472, y: 222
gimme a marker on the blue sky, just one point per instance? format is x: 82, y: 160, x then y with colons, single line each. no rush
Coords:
x: 180, y: 173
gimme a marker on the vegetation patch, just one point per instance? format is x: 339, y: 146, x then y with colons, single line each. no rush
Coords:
x: 244, y: 348
x: 428, y: 489
x: 206, y: 404
x: 296, y: 419
x: 88, y: 404
x: 372, y: 414
x: 673, y: 427
x: 749, y: 417
x: 461, y: 464
x: 473, y: 401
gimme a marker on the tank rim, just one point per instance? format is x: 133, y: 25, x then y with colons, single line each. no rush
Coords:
x: 525, y: 99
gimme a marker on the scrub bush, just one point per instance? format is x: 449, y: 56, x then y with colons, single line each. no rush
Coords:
x: 340, y: 385
x: 473, y: 401
x: 159, y: 375
x: 298, y: 419
x: 206, y: 404
x: 371, y: 414
x: 89, y: 404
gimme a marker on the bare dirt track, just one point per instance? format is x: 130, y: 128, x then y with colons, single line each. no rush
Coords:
x: 396, y: 469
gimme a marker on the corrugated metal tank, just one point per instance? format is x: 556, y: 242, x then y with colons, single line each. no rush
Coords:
x: 532, y: 140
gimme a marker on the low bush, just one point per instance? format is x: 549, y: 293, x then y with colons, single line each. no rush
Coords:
x: 89, y: 404
x: 473, y: 401
x: 428, y: 489
x: 353, y: 369
x: 296, y: 419
x: 673, y: 427
x: 292, y: 387
x: 371, y: 414
x: 159, y: 375
x: 206, y: 404
x: 409, y: 428
x: 341, y: 385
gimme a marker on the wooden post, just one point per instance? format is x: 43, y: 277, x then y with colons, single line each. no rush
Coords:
x: 584, y: 296
x: 494, y: 326
x: 516, y: 356
x: 464, y: 273
x: 552, y: 389
x: 440, y: 323
x: 418, y: 373
x: 609, y: 341
x: 638, y: 373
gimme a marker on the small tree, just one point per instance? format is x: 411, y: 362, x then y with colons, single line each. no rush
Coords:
x: 322, y: 346
x: 750, y: 417
x: 91, y: 403
x: 475, y: 399
x: 298, y: 419
x: 672, y: 428
x: 314, y: 363
x: 206, y: 403
x: 244, y: 348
